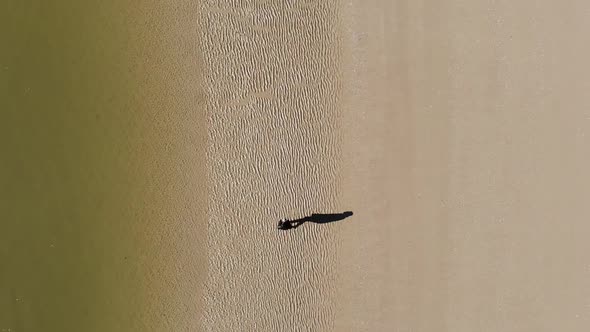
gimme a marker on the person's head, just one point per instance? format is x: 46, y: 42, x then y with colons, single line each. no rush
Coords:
x: 283, y: 223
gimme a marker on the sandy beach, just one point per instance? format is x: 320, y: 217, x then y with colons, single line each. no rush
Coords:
x: 455, y: 132
x: 151, y: 151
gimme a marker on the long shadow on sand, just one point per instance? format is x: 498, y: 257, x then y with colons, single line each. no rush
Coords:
x: 316, y: 218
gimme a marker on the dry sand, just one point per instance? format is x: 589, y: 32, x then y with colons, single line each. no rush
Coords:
x: 467, y: 145
x: 456, y: 132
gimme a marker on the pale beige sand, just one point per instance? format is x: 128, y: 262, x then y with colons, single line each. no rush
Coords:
x: 468, y: 153
x: 456, y: 132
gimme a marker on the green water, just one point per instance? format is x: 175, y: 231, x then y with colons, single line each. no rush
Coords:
x: 70, y: 173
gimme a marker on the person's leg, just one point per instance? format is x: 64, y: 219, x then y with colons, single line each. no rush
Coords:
x: 298, y: 222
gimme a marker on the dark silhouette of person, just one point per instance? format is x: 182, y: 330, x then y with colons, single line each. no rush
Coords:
x: 285, y: 224
x: 317, y: 218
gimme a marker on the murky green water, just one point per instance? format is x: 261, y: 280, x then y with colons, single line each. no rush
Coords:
x: 70, y: 171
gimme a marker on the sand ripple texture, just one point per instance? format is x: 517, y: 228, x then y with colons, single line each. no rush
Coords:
x: 272, y: 90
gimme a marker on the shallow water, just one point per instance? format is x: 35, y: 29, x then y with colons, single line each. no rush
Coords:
x: 87, y: 186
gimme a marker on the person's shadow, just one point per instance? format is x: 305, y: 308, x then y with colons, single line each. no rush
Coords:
x: 317, y: 218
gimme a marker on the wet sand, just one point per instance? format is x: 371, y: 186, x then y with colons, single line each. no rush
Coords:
x: 273, y: 153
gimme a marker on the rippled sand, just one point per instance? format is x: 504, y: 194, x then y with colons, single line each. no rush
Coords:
x: 274, y: 151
